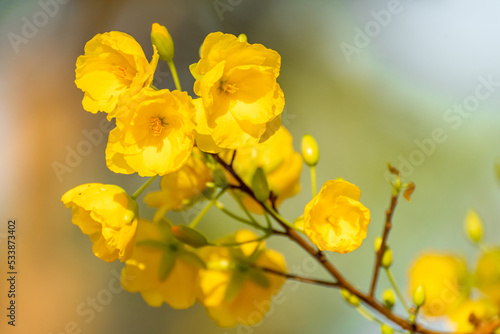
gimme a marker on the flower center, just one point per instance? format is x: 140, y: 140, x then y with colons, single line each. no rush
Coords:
x: 156, y: 125
x: 227, y: 87
x: 124, y: 73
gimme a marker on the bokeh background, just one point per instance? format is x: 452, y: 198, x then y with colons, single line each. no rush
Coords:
x: 364, y: 109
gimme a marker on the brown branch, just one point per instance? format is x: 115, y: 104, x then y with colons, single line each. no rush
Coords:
x: 341, y: 282
x: 299, y: 278
x: 380, y: 253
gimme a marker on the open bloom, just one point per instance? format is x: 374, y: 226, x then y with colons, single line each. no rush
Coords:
x: 483, y: 310
x: 280, y: 163
x: 107, y: 215
x: 334, y: 219
x: 241, y: 100
x: 444, y: 278
x: 155, y: 135
x: 487, y: 274
x: 113, y: 63
x: 161, y: 268
x: 232, y: 289
x: 182, y: 188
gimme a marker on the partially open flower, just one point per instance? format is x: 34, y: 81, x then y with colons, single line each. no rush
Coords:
x: 232, y: 289
x: 182, y: 188
x: 161, y: 268
x: 444, y: 278
x: 107, y: 215
x: 113, y: 63
x: 334, y: 219
x: 280, y: 163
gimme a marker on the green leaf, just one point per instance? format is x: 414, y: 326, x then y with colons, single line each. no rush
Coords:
x: 192, y: 259
x: 259, y: 277
x: 234, y: 286
x: 167, y: 263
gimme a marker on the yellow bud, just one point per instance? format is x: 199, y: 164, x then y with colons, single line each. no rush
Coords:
x: 474, y: 226
x: 389, y: 298
x: 242, y: 38
x: 345, y: 294
x: 385, y: 329
x: 260, y: 186
x: 350, y: 298
x: 387, y: 258
x: 189, y: 236
x: 419, y: 296
x: 310, y: 150
x: 299, y: 222
x: 163, y: 42
x: 377, y: 244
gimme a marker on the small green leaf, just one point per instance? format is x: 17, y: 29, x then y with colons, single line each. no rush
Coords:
x: 192, y: 259
x: 234, y: 286
x: 167, y: 263
x: 259, y: 277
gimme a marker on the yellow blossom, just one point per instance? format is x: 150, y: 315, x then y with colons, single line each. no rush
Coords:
x: 155, y: 135
x: 444, y: 278
x: 107, y: 215
x: 280, y: 163
x: 161, y: 268
x: 483, y: 310
x: 113, y: 63
x: 241, y: 100
x: 487, y: 274
x: 334, y: 219
x: 182, y: 188
x: 231, y: 288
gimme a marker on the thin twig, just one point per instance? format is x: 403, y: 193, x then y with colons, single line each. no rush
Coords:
x: 299, y: 278
x: 380, y: 253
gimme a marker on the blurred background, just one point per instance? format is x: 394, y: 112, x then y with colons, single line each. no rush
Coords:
x: 416, y: 83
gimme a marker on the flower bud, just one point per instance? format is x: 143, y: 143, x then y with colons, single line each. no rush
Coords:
x: 310, y: 150
x: 242, y: 37
x: 389, y: 298
x: 419, y: 296
x: 474, y: 226
x: 189, y: 236
x: 387, y: 258
x: 350, y: 298
x: 260, y: 186
x: 377, y: 244
x: 385, y: 329
x: 163, y: 42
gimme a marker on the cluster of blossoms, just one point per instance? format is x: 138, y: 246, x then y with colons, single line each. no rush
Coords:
x: 227, y: 139
x: 454, y: 292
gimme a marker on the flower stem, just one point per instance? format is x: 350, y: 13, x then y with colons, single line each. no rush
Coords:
x: 146, y: 184
x: 398, y: 292
x: 173, y: 70
x: 207, y: 207
x: 313, y: 180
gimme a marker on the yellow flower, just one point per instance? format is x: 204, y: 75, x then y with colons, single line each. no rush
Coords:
x: 155, y: 136
x: 444, y: 278
x: 280, y: 163
x: 487, y: 274
x: 112, y: 64
x: 334, y: 219
x: 161, y: 268
x: 107, y: 215
x: 241, y: 100
x: 231, y: 289
x: 181, y: 188
x: 483, y: 310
